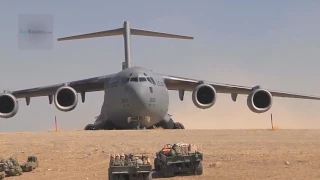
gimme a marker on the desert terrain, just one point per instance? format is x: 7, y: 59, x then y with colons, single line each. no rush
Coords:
x: 228, y: 154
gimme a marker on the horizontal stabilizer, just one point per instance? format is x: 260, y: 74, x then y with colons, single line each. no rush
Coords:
x: 121, y: 31
x: 113, y: 32
x: 140, y: 32
x: 126, y: 31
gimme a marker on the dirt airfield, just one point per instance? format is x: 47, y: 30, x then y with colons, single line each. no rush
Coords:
x: 228, y: 154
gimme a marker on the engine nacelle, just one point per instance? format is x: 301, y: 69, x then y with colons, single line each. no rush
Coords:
x: 204, y: 96
x: 8, y: 105
x: 259, y: 101
x: 66, y: 98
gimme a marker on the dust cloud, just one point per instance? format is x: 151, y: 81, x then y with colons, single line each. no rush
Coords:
x: 226, y: 114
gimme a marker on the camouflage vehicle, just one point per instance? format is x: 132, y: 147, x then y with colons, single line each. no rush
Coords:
x: 129, y: 166
x: 174, y: 159
x: 31, y: 164
x: 2, y: 171
x: 12, y: 167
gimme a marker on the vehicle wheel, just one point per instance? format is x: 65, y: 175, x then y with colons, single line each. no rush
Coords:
x: 116, y: 177
x: 178, y: 125
x: 109, y: 175
x: 156, y: 165
x: 147, y: 176
x: 168, y: 171
x: 89, y: 127
x: 113, y: 176
x: 199, y: 169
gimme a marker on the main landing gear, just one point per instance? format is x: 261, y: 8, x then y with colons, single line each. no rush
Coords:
x: 178, y: 125
x: 169, y: 124
x: 89, y: 127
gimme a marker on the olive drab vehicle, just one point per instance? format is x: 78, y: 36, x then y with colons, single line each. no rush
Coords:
x: 12, y: 167
x: 2, y: 171
x: 129, y: 166
x: 31, y: 164
x: 179, y: 158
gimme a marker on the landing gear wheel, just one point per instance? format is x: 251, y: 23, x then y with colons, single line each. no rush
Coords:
x: 141, y: 128
x: 178, y: 125
x: 89, y: 127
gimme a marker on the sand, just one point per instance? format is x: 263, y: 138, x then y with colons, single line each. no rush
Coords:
x: 240, y: 154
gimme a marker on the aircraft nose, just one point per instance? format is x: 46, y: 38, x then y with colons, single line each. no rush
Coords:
x: 138, y: 96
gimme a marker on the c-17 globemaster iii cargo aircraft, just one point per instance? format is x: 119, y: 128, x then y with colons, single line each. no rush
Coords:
x: 136, y: 97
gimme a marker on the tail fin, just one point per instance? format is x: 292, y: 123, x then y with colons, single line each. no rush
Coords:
x: 126, y: 31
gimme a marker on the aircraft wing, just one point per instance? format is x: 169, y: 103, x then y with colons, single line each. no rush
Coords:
x: 84, y: 85
x: 187, y: 84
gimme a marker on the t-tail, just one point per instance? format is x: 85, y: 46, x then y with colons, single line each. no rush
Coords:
x: 126, y: 31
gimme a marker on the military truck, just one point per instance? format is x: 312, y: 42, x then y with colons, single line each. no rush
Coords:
x: 31, y: 164
x: 129, y: 166
x: 11, y: 166
x: 173, y: 159
x: 2, y: 171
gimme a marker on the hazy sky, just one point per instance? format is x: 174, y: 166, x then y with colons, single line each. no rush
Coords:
x: 272, y: 43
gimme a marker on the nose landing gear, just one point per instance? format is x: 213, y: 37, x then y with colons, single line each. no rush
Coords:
x: 138, y: 120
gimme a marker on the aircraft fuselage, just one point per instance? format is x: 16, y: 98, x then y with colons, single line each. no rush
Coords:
x: 135, y: 95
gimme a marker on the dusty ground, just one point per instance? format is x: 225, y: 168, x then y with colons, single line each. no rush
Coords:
x: 242, y: 154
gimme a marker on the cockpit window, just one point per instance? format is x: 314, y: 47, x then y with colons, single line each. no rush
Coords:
x: 134, y: 79
x: 138, y: 79
x: 142, y: 79
x: 153, y: 82
x: 150, y: 79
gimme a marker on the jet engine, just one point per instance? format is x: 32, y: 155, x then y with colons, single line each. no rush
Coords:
x: 8, y: 105
x: 66, y: 98
x: 259, y: 100
x: 204, y: 96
